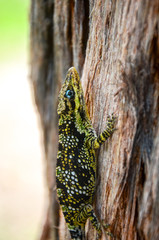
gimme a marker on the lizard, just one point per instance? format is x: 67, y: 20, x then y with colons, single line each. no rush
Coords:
x: 76, y: 162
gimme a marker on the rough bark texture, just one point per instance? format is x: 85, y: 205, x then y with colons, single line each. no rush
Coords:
x: 115, y: 47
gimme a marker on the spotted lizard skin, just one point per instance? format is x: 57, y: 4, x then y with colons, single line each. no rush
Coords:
x: 76, y: 163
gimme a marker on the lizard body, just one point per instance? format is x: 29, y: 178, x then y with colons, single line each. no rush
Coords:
x: 76, y: 163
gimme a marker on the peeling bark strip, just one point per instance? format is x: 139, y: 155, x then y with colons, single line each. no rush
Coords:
x: 114, y: 45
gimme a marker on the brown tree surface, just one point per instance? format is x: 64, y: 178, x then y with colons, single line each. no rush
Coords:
x: 114, y: 45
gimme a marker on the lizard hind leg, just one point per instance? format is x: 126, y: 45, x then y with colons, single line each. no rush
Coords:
x: 88, y: 212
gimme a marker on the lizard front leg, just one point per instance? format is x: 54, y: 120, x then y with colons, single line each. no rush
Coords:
x: 106, y: 133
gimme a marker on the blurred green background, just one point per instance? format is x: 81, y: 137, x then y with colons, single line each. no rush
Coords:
x: 21, y: 183
x: 14, y: 27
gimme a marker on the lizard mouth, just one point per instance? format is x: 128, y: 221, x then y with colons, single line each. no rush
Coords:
x: 72, y: 77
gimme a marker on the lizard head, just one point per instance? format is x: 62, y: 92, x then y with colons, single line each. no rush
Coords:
x: 71, y: 99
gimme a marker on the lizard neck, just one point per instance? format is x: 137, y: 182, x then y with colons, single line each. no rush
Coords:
x: 77, y: 118
x: 64, y: 118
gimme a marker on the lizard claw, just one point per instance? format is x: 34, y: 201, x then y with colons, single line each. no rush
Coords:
x: 106, y: 226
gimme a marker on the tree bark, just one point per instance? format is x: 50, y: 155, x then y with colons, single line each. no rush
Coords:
x: 114, y: 45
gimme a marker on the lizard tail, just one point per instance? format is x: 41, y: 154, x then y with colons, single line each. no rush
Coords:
x: 77, y: 233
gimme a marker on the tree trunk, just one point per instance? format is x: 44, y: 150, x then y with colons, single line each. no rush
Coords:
x: 114, y: 45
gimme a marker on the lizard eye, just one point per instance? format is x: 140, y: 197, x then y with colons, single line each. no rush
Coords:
x: 69, y: 94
